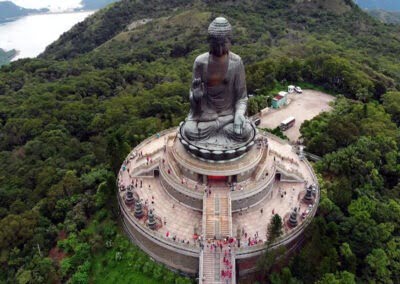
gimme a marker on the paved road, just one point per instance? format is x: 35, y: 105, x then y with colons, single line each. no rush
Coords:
x: 302, y: 107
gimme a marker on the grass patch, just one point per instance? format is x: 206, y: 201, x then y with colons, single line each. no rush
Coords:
x: 105, y: 269
x: 277, y: 132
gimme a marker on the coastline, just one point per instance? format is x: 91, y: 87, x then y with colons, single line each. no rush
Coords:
x: 12, y: 19
x: 17, y: 35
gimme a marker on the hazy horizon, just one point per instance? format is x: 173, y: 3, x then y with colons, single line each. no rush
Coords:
x: 52, y: 5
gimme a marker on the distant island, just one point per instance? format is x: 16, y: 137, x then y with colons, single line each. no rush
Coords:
x: 9, y: 11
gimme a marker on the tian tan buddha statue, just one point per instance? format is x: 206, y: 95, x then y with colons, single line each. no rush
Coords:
x: 218, y: 95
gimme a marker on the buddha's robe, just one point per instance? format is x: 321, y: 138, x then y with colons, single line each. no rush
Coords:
x: 222, y: 98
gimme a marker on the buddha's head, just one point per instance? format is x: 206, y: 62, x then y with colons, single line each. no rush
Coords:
x: 219, y: 36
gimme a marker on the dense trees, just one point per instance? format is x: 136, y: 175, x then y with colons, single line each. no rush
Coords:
x: 361, y: 176
x: 275, y: 228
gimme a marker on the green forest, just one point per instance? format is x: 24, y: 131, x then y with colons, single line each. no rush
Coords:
x: 69, y: 118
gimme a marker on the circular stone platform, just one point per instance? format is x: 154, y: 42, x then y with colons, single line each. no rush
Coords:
x: 195, y: 201
x: 219, y: 148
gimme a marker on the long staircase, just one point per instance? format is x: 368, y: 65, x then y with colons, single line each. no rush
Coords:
x: 217, y: 214
x: 217, y: 224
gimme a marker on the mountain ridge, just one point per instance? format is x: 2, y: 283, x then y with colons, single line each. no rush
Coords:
x: 386, y: 16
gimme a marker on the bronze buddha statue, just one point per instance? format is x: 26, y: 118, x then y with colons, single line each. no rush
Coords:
x: 218, y: 95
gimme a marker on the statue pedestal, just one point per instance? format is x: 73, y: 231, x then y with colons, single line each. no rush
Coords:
x: 199, y: 169
x: 218, y: 148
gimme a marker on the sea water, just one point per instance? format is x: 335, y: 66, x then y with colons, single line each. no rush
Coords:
x: 30, y: 35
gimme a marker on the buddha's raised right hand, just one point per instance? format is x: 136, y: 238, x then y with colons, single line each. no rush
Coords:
x: 197, y: 89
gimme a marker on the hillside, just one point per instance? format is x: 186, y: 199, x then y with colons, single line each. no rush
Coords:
x: 10, y: 11
x: 68, y: 119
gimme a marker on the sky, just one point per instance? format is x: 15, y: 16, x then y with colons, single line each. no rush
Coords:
x: 53, y: 5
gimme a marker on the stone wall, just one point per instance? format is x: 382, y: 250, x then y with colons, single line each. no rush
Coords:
x: 188, y: 173
x: 248, y: 264
x: 191, y: 201
x: 245, y: 203
x: 176, y: 259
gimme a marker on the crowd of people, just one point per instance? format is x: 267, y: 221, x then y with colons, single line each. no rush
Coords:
x: 226, y: 271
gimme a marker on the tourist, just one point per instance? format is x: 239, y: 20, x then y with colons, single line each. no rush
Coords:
x: 261, y: 211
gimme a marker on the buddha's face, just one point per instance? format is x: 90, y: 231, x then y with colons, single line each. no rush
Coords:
x: 219, y: 46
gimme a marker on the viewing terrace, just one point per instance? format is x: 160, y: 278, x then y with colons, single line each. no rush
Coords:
x: 189, y: 214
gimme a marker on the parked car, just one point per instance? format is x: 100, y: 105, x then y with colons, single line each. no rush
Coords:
x: 298, y: 90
